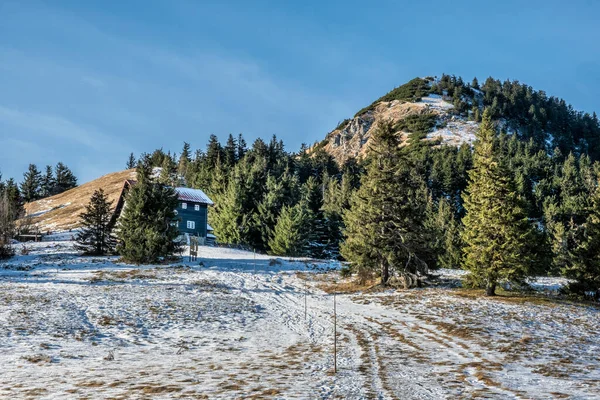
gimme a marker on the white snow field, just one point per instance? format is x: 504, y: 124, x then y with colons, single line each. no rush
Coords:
x: 234, y: 327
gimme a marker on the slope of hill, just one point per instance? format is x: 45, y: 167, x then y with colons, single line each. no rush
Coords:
x: 61, y: 212
x: 456, y: 107
x: 351, y: 137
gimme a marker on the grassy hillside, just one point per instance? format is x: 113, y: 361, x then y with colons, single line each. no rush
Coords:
x: 61, y: 212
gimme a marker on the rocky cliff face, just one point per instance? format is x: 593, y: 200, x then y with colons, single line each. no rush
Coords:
x: 351, y: 138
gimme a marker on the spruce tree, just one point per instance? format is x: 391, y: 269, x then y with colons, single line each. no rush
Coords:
x: 96, y: 237
x: 584, y: 262
x: 230, y: 151
x: 242, y: 147
x: 279, y: 192
x: 184, y: 159
x: 131, y: 162
x: 290, y: 234
x: 65, y: 179
x: 445, y: 231
x: 384, y: 226
x: 496, y: 228
x: 147, y: 228
x: 8, y: 215
x: 47, y: 183
x: 30, y: 187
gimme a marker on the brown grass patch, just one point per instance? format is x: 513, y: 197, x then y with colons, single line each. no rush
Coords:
x: 66, y: 207
x: 38, y: 358
x: 91, y: 384
x: 157, y: 389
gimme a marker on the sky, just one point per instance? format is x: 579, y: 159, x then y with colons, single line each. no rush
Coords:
x: 88, y: 82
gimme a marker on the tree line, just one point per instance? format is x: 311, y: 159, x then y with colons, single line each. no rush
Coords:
x: 508, y: 208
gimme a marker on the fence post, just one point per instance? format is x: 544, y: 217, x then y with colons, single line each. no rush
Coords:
x: 334, y: 336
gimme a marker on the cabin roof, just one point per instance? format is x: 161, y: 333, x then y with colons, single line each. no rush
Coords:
x: 193, y: 195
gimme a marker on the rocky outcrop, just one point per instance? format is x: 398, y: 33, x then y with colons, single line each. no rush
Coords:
x: 351, y: 138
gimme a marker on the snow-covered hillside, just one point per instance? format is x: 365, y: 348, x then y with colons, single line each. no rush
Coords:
x: 232, y: 324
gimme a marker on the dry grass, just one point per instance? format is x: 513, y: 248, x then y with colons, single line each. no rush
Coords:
x: 157, y: 389
x: 38, y: 359
x: 66, y: 207
x: 507, y: 297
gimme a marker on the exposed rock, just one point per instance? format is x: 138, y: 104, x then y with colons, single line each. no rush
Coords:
x: 352, y: 138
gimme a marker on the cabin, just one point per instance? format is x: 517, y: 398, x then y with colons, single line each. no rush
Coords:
x: 192, y: 212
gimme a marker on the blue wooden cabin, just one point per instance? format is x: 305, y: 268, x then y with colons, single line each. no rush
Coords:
x: 192, y: 213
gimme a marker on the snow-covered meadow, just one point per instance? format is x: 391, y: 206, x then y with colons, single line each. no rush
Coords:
x: 233, y: 325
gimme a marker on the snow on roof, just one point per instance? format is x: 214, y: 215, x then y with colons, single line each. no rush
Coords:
x: 195, y: 195
x: 209, y: 228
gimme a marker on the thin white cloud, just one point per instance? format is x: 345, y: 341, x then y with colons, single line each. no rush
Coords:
x: 51, y: 125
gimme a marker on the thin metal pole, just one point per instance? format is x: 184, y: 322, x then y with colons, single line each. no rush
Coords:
x: 305, y: 295
x: 334, y: 336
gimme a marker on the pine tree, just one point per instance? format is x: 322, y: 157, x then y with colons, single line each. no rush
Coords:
x: 47, y: 183
x: 147, y: 229
x: 30, y: 187
x: 290, y: 235
x: 96, y: 237
x: 384, y: 226
x: 65, y: 179
x: 131, y: 162
x: 496, y: 229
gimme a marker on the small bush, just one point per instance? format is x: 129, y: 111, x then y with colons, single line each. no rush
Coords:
x: 345, y: 271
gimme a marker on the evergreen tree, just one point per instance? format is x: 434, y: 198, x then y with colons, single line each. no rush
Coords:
x: 47, y: 183
x: 30, y: 187
x: 496, y: 229
x: 583, y: 265
x: 384, y: 226
x: 8, y: 215
x: 290, y: 235
x: 230, y: 151
x: 184, y: 159
x: 96, y: 237
x: 65, y: 179
x: 167, y: 170
x: 230, y: 221
x: 214, y: 151
x: 131, y: 162
x: 445, y: 231
x: 147, y: 229
x: 279, y: 192
x: 242, y: 147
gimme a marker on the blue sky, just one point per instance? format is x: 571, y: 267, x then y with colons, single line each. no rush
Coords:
x: 87, y: 82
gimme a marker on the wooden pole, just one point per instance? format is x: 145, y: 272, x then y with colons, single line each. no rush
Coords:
x: 334, y: 336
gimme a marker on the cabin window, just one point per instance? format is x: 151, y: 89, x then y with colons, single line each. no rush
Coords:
x: 184, y: 206
x: 191, y: 225
x: 196, y: 207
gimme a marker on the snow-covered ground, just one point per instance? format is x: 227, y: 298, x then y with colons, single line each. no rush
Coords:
x: 233, y: 324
